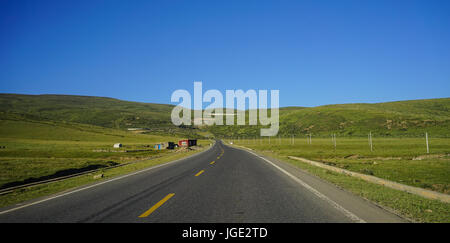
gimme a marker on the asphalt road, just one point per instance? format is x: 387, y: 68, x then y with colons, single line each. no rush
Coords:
x: 238, y: 186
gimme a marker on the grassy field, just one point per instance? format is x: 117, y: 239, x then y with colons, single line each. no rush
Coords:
x: 49, y: 136
x: 403, y: 160
x: 24, y: 194
x: 37, y: 150
x: 410, y: 206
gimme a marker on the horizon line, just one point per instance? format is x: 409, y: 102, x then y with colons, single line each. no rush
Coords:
x: 281, y: 107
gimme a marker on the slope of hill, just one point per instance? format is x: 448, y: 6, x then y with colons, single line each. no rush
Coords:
x: 402, y: 118
x: 98, y: 111
x: 35, y: 150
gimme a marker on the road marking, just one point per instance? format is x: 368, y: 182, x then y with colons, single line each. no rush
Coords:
x: 212, y: 162
x: 200, y: 172
x: 317, y: 193
x: 156, y: 206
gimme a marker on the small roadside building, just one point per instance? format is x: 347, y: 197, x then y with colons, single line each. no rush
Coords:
x: 192, y: 142
x: 165, y: 145
x: 183, y: 143
x: 187, y: 142
x: 170, y: 145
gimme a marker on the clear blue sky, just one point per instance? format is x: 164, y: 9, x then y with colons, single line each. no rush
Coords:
x: 314, y: 52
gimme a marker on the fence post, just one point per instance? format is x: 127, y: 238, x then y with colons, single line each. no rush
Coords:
x: 335, y: 141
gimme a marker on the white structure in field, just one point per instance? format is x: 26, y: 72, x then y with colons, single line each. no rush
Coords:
x: 118, y: 145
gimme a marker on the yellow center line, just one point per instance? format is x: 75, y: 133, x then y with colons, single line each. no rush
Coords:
x: 156, y: 206
x: 212, y: 162
x: 200, y: 172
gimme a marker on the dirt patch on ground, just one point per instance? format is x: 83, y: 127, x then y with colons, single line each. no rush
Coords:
x: 356, y: 156
x: 387, y: 158
x: 431, y: 156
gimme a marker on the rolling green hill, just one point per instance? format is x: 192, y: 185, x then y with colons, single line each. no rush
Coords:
x: 402, y: 118
x: 98, y: 111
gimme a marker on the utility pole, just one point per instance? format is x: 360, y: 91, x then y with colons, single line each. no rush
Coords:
x: 426, y: 139
x: 334, y: 140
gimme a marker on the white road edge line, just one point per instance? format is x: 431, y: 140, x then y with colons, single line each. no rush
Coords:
x: 100, y: 183
x: 317, y: 193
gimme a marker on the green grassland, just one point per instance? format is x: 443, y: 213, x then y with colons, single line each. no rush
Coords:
x: 48, y: 136
x: 403, y: 160
x: 392, y: 119
x: 38, y: 149
x: 28, y: 193
x: 410, y: 206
